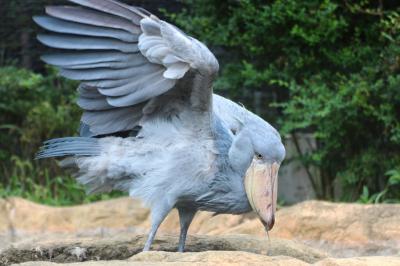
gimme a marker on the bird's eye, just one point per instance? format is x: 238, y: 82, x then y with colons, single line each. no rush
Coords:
x: 259, y: 156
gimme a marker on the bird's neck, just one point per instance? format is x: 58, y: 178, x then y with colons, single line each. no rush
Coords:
x: 241, y: 152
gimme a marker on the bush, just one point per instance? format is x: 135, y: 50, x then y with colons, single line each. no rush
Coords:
x: 34, y: 108
x: 357, y: 129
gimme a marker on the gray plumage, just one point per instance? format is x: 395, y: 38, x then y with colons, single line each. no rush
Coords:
x: 86, y: 43
x: 91, y: 17
x: 88, y: 59
x: 66, y: 27
x: 183, y: 146
x: 94, y: 104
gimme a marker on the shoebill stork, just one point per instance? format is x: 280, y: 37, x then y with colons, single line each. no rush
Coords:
x: 151, y: 124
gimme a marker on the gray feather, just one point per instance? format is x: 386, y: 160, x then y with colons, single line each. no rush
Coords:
x: 73, y: 146
x: 112, y: 65
x: 103, y: 122
x: 135, y: 9
x: 68, y: 163
x: 105, y: 73
x: 146, y: 93
x: 84, y: 131
x: 144, y: 11
x: 86, y: 43
x: 176, y: 71
x: 91, y: 17
x: 85, y: 58
x: 151, y: 27
x: 62, y: 26
x: 66, y: 139
x: 109, y: 83
x: 134, y: 86
x: 93, y: 104
x: 89, y: 92
x: 111, y: 8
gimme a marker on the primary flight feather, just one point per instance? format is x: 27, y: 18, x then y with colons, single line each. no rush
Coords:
x: 151, y: 124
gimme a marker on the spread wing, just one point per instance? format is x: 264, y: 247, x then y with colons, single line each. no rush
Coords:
x: 126, y: 59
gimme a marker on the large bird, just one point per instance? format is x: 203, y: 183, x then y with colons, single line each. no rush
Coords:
x: 151, y: 124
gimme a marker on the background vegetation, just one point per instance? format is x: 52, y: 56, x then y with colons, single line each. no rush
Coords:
x: 329, y: 67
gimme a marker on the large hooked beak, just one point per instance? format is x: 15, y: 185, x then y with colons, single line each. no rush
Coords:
x: 261, y: 183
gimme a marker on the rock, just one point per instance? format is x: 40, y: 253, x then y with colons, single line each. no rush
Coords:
x: 342, y: 229
x: 216, y: 257
x: 360, y: 261
x: 4, y: 221
x: 188, y: 259
x: 21, y: 219
x: 159, y: 258
x: 123, y: 248
x: 350, y: 228
x: 245, y: 258
x: 343, y: 223
x: 89, y: 263
x: 119, y: 213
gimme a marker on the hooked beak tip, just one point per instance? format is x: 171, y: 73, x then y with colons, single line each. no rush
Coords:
x: 270, y: 224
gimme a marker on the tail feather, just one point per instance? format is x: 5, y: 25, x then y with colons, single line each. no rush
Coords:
x: 95, y: 163
x: 70, y: 139
x: 70, y: 146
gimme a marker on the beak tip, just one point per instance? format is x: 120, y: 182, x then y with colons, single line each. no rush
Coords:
x: 269, y: 225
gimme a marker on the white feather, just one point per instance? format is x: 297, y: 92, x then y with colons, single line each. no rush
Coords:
x: 176, y: 71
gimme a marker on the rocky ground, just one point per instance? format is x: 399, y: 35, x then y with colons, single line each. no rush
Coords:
x: 113, y: 233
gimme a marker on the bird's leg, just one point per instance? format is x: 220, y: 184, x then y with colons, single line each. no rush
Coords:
x: 158, y: 214
x: 185, y: 218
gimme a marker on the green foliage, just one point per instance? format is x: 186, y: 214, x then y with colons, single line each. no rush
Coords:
x: 332, y: 67
x: 387, y: 195
x: 356, y: 126
x: 38, y: 184
x: 34, y: 108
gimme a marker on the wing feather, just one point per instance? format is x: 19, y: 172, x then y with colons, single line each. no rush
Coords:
x: 111, y: 7
x: 124, y: 56
x: 133, y: 86
x: 94, y: 104
x: 109, y: 83
x: 120, y: 119
x: 91, y: 17
x: 150, y: 91
x: 107, y: 73
x: 66, y: 27
x: 89, y: 92
x: 86, y: 43
x: 176, y: 71
x: 111, y: 65
x: 87, y: 58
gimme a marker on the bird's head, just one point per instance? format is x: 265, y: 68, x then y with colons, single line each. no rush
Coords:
x: 261, y: 179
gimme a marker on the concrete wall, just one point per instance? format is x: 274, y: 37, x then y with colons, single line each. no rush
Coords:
x: 294, y: 184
